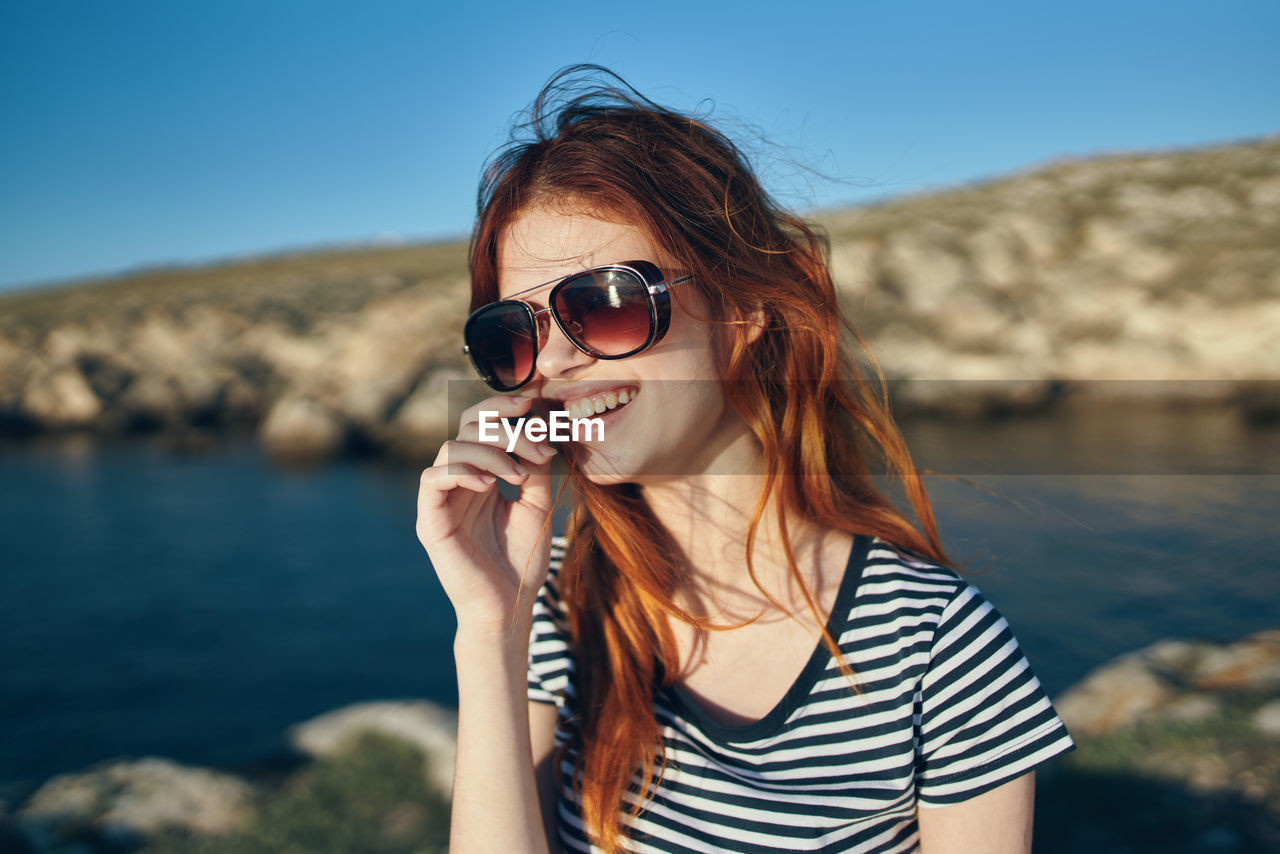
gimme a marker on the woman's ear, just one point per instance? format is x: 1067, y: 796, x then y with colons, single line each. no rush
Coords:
x: 757, y: 321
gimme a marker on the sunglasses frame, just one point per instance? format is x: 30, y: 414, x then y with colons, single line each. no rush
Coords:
x: 655, y: 286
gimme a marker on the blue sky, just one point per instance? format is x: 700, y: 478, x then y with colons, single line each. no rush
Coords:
x: 146, y: 133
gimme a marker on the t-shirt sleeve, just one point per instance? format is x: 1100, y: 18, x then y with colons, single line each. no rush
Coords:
x: 550, y: 661
x: 984, y: 718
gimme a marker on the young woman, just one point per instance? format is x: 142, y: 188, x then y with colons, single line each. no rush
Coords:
x: 740, y: 644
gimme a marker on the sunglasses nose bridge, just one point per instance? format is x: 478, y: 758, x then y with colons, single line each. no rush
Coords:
x: 555, y: 357
x: 542, y: 325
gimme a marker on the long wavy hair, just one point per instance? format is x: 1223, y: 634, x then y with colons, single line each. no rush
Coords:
x: 821, y: 422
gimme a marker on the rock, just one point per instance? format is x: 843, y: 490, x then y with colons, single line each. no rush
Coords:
x: 378, y: 359
x: 299, y: 428
x: 241, y: 401
x: 295, y: 358
x: 1252, y: 664
x: 126, y: 801
x: 1190, y: 708
x: 426, y: 417
x: 1267, y: 718
x: 1265, y: 195
x: 1161, y: 266
x: 994, y: 253
x: 1175, y: 655
x: 13, y: 371
x: 65, y: 345
x: 1199, y: 203
x: 150, y: 401
x: 61, y: 397
x: 919, y: 268
x: 1119, y: 244
x: 1176, y: 680
x: 1115, y: 695
x: 106, y: 374
x: 853, y: 267
x: 425, y: 725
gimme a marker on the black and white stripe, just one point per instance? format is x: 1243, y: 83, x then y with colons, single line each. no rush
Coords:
x: 949, y: 708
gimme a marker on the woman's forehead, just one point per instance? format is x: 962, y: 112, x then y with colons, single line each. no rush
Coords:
x: 544, y: 244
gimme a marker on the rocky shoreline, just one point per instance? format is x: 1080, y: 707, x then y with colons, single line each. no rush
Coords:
x: 156, y: 804
x: 1188, y: 730
x: 1149, y: 278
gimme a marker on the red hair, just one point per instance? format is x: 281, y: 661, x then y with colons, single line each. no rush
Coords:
x: 820, y: 422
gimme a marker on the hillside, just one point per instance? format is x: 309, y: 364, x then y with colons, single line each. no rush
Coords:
x: 1013, y: 293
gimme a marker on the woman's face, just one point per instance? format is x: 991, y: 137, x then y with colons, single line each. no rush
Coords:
x: 677, y: 421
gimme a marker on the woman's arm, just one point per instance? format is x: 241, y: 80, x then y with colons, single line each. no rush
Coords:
x: 542, y: 735
x: 491, y: 555
x: 495, y: 799
x: 995, y: 822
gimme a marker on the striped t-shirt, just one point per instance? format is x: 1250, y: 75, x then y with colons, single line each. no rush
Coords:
x: 950, y: 709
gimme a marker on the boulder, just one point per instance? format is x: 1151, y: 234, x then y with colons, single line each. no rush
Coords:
x: 426, y: 418
x: 1252, y: 664
x: 60, y: 398
x: 301, y: 428
x: 149, y: 401
x: 1115, y: 695
x: 126, y: 801
x: 1176, y: 680
x: 429, y: 727
x: 1267, y: 718
x: 13, y: 369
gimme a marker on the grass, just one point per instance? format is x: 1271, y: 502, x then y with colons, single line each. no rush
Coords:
x: 373, y: 798
x: 1165, y: 786
x: 1227, y: 732
x: 293, y: 289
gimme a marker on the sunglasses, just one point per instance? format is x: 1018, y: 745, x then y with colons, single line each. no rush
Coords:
x: 608, y: 312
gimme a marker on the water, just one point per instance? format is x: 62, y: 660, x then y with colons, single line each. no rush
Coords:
x: 195, y: 607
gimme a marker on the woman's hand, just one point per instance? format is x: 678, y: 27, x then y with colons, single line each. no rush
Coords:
x: 491, y: 554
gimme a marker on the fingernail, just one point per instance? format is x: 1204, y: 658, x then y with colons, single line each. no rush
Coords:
x: 521, y: 469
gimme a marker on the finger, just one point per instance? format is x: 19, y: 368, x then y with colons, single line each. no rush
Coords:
x: 470, y: 477
x: 514, y: 438
x: 498, y: 406
x: 535, y: 492
x: 485, y: 457
x: 511, y: 433
x: 438, y: 482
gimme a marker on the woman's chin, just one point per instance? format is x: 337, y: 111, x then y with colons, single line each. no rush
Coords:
x: 615, y: 472
x: 601, y: 472
x: 605, y: 467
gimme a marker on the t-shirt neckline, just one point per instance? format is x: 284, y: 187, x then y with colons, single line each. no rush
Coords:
x: 686, y: 706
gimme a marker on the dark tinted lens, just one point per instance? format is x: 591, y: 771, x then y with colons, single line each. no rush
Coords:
x: 503, y: 344
x: 606, y: 311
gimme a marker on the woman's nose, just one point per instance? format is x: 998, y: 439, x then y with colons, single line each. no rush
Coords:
x: 558, y: 357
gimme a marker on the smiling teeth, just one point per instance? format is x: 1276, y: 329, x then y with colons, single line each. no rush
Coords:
x: 596, y: 404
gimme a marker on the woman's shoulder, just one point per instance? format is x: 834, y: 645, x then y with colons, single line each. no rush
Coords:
x: 897, y: 582
x: 889, y: 560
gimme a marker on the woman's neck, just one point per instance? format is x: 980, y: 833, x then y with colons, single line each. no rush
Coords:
x: 708, y: 515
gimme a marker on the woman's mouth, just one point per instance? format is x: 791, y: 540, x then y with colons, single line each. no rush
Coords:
x: 601, y: 403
